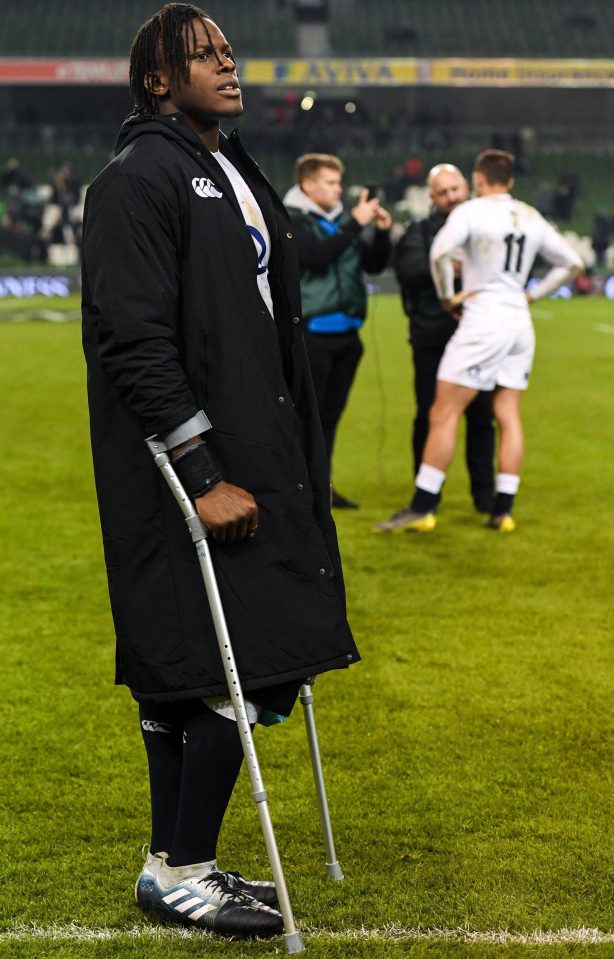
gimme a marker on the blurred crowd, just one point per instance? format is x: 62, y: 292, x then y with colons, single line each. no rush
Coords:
x: 40, y: 223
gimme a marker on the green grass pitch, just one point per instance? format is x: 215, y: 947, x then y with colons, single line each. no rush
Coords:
x: 468, y: 757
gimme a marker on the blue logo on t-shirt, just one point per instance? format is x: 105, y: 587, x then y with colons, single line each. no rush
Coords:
x: 260, y: 242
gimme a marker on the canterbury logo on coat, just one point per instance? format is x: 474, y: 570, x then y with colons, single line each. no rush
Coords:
x: 204, y: 187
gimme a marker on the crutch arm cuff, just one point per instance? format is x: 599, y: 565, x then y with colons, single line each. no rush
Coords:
x: 199, y: 423
x: 196, y: 469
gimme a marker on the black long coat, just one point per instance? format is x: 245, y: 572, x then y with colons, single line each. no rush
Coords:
x: 430, y: 326
x: 173, y: 322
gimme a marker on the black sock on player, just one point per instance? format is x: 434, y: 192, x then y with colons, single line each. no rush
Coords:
x: 503, y: 504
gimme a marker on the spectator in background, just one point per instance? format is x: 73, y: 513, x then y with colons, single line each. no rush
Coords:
x: 395, y: 184
x: 602, y: 229
x: 22, y: 235
x: 333, y: 251
x: 565, y: 196
x: 430, y: 328
x: 13, y: 176
x: 414, y: 165
x: 543, y: 199
x: 66, y: 186
x: 66, y: 189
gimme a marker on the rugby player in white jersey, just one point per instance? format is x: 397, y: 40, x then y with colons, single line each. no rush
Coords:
x: 498, y: 238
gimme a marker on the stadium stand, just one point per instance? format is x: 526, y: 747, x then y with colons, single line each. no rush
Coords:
x: 550, y: 28
x: 263, y: 27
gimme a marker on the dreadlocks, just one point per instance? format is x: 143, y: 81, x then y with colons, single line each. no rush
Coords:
x: 160, y: 41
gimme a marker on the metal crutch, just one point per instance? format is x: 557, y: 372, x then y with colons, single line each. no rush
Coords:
x: 333, y: 869
x: 294, y: 943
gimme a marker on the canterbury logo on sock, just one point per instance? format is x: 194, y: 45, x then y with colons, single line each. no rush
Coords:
x: 150, y: 726
x: 204, y: 187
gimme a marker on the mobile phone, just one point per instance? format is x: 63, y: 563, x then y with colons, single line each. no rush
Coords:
x: 372, y: 191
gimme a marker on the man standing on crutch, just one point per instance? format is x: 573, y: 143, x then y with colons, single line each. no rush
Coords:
x: 192, y: 334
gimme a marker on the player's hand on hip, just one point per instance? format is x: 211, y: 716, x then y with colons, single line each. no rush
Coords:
x: 454, y: 304
x: 364, y: 211
x: 229, y: 512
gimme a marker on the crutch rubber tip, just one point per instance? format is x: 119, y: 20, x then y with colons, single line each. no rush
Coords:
x: 294, y: 943
x: 333, y: 871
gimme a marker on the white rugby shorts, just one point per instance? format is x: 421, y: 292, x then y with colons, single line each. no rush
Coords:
x: 482, y: 359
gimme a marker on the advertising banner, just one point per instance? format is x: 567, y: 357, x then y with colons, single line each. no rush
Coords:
x: 337, y: 72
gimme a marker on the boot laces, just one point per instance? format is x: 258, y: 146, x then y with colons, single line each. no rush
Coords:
x: 220, y: 882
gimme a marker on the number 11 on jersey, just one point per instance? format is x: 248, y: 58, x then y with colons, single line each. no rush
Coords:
x: 510, y: 240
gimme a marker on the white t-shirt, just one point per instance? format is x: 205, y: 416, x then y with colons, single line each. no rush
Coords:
x: 499, y: 237
x: 252, y: 214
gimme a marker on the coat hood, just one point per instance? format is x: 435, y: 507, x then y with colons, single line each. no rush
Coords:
x: 174, y: 126
x: 295, y: 199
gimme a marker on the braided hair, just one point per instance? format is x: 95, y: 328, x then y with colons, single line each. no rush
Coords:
x: 160, y: 42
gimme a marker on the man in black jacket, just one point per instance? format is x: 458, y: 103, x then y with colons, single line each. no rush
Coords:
x: 430, y: 328
x: 191, y: 330
x: 333, y: 252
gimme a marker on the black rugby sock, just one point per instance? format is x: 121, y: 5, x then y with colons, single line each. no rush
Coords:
x: 212, y: 756
x: 503, y: 504
x: 162, y: 729
x: 424, y: 502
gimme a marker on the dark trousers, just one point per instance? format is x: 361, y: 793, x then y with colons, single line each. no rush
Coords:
x: 480, y: 450
x: 333, y: 358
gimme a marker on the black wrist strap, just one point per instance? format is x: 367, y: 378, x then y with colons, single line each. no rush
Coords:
x: 196, y: 470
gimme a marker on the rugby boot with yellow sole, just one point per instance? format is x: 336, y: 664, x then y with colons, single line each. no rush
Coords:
x: 407, y: 520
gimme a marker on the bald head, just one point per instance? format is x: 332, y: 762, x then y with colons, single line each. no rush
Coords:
x: 447, y: 186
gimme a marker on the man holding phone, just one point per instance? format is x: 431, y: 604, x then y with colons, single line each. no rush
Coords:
x: 334, y: 249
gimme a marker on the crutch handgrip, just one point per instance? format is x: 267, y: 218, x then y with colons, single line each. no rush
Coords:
x: 197, y: 528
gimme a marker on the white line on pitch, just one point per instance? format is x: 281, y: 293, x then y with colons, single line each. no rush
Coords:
x: 603, y: 328
x: 74, y: 932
